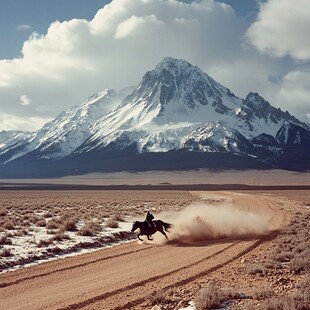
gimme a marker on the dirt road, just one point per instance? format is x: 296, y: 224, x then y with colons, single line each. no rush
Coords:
x: 124, y: 276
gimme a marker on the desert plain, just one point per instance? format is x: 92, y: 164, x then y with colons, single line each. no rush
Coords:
x: 234, y: 249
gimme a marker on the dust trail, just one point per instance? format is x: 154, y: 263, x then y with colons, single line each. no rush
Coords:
x: 200, y: 221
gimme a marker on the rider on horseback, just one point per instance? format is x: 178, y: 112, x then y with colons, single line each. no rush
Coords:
x: 149, y: 218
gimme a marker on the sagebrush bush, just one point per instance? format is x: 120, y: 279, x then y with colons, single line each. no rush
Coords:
x: 90, y: 229
x: 52, y: 224
x: 60, y: 236
x: 9, y: 224
x: 69, y: 225
x: 41, y: 223
x: 5, y: 240
x: 213, y: 296
x: 5, y: 253
x: 44, y: 243
x: 111, y: 223
x: 256, y: 269
x: 161, y: 297
x: 301, y: 262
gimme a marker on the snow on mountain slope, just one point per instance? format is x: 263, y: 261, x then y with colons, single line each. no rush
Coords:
x: 257, y: 116
x: 216, y: 137
x: 8, y: 138
x: 68, y: 130
x: 72, y: 127
x: 13, y: 144
x: 175, y: 99
x: 291, y: 135
x: 170, y: 102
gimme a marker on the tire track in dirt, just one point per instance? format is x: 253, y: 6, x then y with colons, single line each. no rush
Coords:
x: 92, y: 301
x: 190, y: 279
x: 141, y: 283
x: 5, y: 284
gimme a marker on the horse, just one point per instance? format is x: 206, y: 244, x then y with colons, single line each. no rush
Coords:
x: 148, y: 229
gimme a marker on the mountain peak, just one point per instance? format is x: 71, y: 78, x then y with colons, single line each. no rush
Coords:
x: 254, y: 98
x: 108, y: 92
x: 174, y: 65
x: 177, y: 82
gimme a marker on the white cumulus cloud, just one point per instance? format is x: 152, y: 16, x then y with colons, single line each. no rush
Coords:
x: 282, y: 28
x: 77, y: 58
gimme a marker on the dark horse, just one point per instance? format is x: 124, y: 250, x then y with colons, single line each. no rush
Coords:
x: 147, y: 229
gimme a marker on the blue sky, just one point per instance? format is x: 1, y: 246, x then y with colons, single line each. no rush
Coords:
x: 56, y: 53
x: 38, y: 15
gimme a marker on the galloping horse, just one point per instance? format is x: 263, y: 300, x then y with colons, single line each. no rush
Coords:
x: 147, y: 229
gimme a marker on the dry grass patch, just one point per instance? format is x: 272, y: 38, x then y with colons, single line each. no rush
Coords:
x: 45, y: 243
x: 90, y: 229
x: 255, y: 269
x: 5, y: 253
x: 5, y: 240
x: 212, y: 296
x: 69, y: 225
x: 111, y: 223
x: 53, y: 224
x: 60, y: 236
x: 162, y: 297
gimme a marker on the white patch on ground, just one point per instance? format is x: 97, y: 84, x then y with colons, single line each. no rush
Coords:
x: 26, y: 246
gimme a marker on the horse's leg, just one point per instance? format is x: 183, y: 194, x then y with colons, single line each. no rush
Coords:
x: 149, y: 237
x: 139, y: 237
x: 162, y: 231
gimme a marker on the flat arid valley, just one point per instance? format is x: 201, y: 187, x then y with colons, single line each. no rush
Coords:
x: 229, y: 249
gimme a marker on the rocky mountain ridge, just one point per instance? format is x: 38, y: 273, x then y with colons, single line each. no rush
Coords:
x: 176, y: 108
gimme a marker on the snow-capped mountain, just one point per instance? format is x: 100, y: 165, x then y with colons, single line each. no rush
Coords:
x: 174, y: 100
x: 67, y: 131
x: 176, y: 108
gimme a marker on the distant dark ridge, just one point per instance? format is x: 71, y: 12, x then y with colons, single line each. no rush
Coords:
x: 196, y: 187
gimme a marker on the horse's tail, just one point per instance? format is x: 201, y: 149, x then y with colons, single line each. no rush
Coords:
x: 166, y: 225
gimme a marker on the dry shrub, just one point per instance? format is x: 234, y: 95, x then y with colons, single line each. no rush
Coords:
x: 295, y: 301
x: 21, y: 232
x: 90, y: 229
x: 213, y: 296
x: 9, y: 224
x: 111, y: 223
x: 45, y: 243
x: 26, y: 223
x: 41, y: 223
x: 5, y: 253
x: 48, y: 215
x: 301, y: 262
x: 162, y: 297
x: 5, y: 240
x: 69, y: 225
x: 60, y: 236
x: 118, y: 218
x: 263, y: 293
x: 254, y: 269
x: 52, y: 224
x: 3, y: 213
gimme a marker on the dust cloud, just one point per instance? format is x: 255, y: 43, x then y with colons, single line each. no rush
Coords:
x: 201, y: 222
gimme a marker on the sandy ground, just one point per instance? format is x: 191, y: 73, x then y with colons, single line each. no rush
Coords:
x: 127, y: 275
